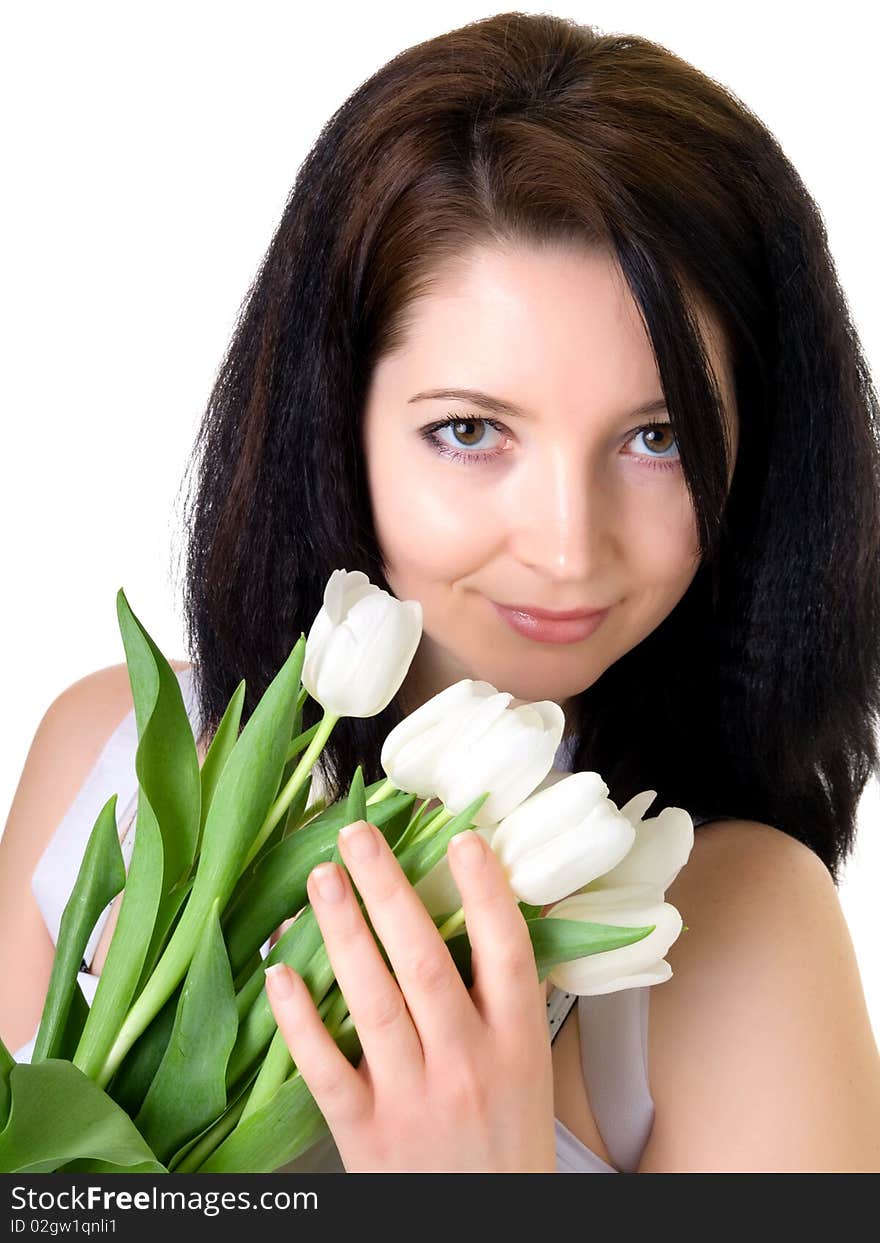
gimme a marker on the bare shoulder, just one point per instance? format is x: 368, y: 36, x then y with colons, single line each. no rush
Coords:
x: 101, y: 696
x: 64, y: 749
x: 761, y: 1054
x: 76, y: 726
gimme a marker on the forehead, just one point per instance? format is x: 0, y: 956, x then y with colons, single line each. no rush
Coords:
x: 554, y: 312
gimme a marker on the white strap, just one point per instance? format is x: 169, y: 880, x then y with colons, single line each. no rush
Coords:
x: 558, y: 1005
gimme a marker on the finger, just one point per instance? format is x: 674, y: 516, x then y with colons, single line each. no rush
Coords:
x: 441, y: 1008
x: 506, y: 988
x: 389, y: 1041
x: 339, y: 1091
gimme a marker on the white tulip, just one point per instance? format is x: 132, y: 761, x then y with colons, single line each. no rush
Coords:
x: 467, y: 741
x: 561, y: 838
x: 629, y: 966
x: 661, y: 848
x: 409, y: 751
x: 360, y: 646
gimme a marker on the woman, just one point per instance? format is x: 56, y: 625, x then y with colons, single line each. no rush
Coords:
x: 660, y: 411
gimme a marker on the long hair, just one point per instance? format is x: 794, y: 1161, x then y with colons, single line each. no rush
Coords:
x: 758, y: 695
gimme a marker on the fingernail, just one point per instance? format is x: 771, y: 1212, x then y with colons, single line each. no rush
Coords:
x: 279, y: 978
x: 468, y: 847
x: 329, y: 882
x: 360, y: 841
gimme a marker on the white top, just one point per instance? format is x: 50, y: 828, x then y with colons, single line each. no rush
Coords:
x: 613, y: 1026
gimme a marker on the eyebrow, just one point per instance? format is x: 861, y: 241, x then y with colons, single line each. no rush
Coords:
x: 495, y: 405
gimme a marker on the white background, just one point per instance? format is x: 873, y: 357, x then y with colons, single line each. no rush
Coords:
x: 147, y: 153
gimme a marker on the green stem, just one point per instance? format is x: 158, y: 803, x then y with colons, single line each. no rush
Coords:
x: 440, y: 817
x: 301, y: 742
x: 452, y: 924
x: 297, y: 779
x: 384, y: 791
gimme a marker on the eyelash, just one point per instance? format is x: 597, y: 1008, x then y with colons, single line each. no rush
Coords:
x: 469, y: 459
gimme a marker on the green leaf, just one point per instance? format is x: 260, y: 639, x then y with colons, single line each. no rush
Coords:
x: 101, y: 876
x: 219, y: 751
x: 277, y: 886
x: 59, y: 1115
x: 287, y: 823
x: 77, y: 1017
x: 166, y: 761
x: 275, y: 1068
x: 167, y: 767
x: 93, y: 1166
x: 283, y: 1128
x: 257, y: 1025
x: 132, y: 1080
x: 297, y: 947
x: 188, y: 1158
x: 189, y: 1089
x: 244, y: 794
x: 555, y: 940
x: 356, y: 803
x: 277, y: 1061
x: 7, y: 1061
x: 167, y: 916
x: 277, y: 1132
x: 128, y: 947
x: 415, y: 826
x: 419, y: 857
x: 254, y: 963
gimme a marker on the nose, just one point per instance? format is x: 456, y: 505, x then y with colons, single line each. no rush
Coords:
x: 560, y: 525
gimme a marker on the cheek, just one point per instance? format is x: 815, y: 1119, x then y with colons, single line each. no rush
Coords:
x: 424, y: 535
x: 666, y: 549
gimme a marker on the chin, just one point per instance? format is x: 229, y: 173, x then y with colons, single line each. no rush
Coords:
x: 533, y: 690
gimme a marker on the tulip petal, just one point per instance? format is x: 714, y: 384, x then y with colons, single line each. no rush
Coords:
x: 344, y: 589
x: 572, y: 981
x: 571, y: 858
x: 635, y: 809
x: 438, y: 709
x: 538, y: 818
x: 409, y: 755
x: 514, y: 755
x: 629, y: 966
x: 661, y: 849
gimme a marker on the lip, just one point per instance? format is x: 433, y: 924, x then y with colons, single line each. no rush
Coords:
x: 554, y: 629
x: 549, y: 614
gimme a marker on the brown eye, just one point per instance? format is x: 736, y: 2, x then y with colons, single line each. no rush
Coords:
x: 464, y: 431
x: 468, y: 434
x: 661, y: 446
x: 660, y: 437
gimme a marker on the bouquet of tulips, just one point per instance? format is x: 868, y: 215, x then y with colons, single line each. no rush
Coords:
x: 178, y: 1064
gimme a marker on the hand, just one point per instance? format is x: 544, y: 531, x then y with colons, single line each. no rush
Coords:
x: 451, y: 1079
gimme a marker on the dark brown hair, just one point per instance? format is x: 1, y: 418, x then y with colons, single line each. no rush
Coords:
x: 758, y: 695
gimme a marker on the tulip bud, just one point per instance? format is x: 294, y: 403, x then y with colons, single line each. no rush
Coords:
x: 360, y: 646
x: 467, y: 741
x: 561, y: 838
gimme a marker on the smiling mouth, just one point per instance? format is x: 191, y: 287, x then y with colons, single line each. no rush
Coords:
x: 550, y: 629
x: 530, y: 610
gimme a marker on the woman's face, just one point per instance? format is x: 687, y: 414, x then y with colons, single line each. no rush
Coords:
x: 568, y: 503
